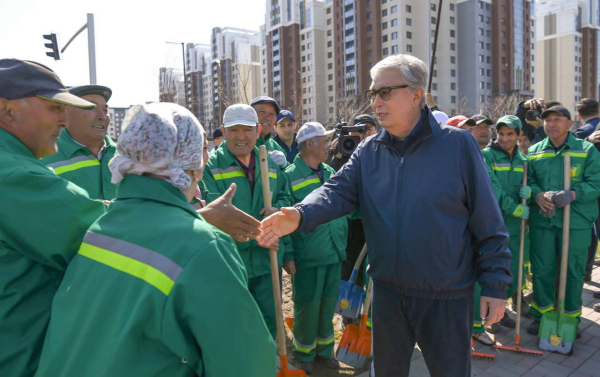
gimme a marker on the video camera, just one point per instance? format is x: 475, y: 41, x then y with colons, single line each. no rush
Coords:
x: 347, y: 143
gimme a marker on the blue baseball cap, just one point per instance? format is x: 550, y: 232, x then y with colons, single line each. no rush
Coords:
x: 285, y: 114
x: 266, y: 99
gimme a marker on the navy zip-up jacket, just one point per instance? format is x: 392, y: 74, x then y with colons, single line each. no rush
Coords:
x: 432, y: 223
x: 587, y: 129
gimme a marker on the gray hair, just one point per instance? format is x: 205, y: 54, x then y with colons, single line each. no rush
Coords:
x: 412, y: 70
x: 302, y: 144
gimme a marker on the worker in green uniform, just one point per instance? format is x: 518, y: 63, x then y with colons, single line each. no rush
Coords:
x: 505, y: 163
x: 267, y: 110
x: 44, y: 217
x: 155, y: 290
x: 546, y: 222
x: 318, y: 256
x: 237, y: 161
x: 84, y: 149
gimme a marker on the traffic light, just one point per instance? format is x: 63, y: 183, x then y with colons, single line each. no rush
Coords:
x: 53, y: 46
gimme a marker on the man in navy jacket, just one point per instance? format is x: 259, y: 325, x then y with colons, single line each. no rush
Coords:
x: 431, y: 222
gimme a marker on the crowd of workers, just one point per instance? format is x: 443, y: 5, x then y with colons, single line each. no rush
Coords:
x: 147, y: 257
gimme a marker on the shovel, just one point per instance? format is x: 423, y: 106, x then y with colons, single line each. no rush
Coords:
x: 350, y: 298
x: 557, y: 330
x: 517, y: 347
x: 281, y: 348
x: 355, y: 346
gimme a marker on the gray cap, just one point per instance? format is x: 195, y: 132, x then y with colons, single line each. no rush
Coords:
x: 85, y: 90
x: 240, y: 115
x: 24, y: 79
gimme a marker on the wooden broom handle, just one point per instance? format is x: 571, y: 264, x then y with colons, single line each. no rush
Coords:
x: 521, y: 250
x: 565, y: 235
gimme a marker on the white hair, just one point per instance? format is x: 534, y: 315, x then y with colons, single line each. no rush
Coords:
x: 412, y: 70
x: 302, y: 145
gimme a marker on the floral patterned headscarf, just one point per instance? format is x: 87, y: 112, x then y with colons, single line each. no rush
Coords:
x: 162, y: 139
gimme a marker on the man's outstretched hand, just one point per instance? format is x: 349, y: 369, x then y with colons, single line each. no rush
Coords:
x: 279, y: 224
x: 224, y: 215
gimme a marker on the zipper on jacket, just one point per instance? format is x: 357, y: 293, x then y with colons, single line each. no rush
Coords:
x: 402, y: 161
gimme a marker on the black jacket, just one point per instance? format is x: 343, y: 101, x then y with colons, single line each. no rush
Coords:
x: 432, y: 223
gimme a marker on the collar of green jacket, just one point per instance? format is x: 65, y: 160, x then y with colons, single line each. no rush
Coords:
x: 572, y: 142
x: 495, y: 146
x: 10, y: 143
x: 68, y: 146
x: 306, y: 170
x: 142, y: 187
x: 261, y: 139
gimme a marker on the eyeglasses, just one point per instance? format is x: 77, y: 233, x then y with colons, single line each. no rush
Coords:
x: 385, y: 93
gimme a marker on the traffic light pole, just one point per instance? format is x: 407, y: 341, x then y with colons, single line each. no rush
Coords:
x: 91, y: 45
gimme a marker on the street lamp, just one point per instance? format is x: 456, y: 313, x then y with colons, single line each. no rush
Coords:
x: 184, y: 70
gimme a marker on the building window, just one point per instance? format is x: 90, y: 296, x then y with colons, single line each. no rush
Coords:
x: 394, y: 22
x: 452, y: 46
x: 452, y: 20
x: 369, y: 27
x: 408, y: 9
x: 384, y: 13
x: 451, y: 6
x: 453, y: 86
x: 329, y: 21
x: 384, y: 26
x: 481, y: 85
x: 453, y: 99
x: 453, y: 73
x: 385, y: 51
x: 408, y: 35
x: 503, y: 48
x: 481, y: 45
x: 433, y: 7
x: 481, y: 5
x: 480, y: 17
x: 433, y: 20
x: 452, y: 33
x: 394, y: 35
x: 481, y: 72
x: 384, y: 38
x: 395, y: 49
x: 408, y: 22
x: 369, y: 15
x: 481, y: 31
x: 453, y: 59
x: 394, y: 9
x: 434, y: 86
x: 370, y: 53
x: 481, y: 58
x: 370, y: 40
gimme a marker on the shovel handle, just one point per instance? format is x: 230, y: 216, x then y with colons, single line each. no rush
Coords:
x: 520, y: 273
x: 361, y: 257
x: 264, y: 176
x: 565, y: 235
x: 367, y: 304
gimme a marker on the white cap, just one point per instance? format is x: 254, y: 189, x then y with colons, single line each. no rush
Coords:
x: 440, y: 116
x: 240, y: 115
x: 310, y: 130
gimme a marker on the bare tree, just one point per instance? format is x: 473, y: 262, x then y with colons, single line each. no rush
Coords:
x: 350, y: 107
x: 503, y: 104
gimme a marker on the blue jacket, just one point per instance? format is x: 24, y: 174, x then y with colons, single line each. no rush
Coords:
x: 432, y: 223
x: 587, y: 129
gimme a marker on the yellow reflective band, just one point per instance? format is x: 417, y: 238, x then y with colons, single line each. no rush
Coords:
x: 129, y: 266
x: 574, y: 154
x: 272, y: 175
x: 305, y: 183
x: 229, y: 175
x: 502, y: 168
x: 548, y: 309
x: 519, y: 170
x: 329, y: 340
x: 541, y: 155
x: 477, y: 325
x: 302, y: 348
x: 576, y: 314
x: 75, y: 166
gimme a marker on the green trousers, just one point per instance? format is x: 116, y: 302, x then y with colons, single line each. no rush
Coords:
x: 261, y: 288
x: 315, y: 294
x: 545, y: 260
x: 527, y: 253
x: 514, y: 245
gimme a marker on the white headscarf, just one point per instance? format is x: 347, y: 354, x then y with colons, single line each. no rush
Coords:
x: 162, y: 139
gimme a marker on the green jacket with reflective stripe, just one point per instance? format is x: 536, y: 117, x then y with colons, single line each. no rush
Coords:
x: 327, y: 244
x: 77, y: 164
x: 546, y: 174
x: 155, y: 291
x: 507, y: 177
x: 221, y: 171
x: 43, y: 220
x: 271, y: 144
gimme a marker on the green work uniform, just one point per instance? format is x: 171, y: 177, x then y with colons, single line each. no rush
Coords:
x: 75, y: 163
x: 318, y: 257
x: 506, y: 173
x: 44, y: 219
x: 221, y: 171
x: 268, y: 142
x: 155, y: 291
x: 546, y: 174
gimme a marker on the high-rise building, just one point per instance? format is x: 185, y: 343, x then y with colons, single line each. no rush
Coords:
x: 235, y: 70
x: 117, y: 115
x: 567, y: 50
x: 196, y: 54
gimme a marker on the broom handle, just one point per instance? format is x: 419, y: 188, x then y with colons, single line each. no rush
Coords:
x: 565, y: 236
x: 361, y: 256
x: 367, y: 304
x: 520, y: 273
x: 264, y: 176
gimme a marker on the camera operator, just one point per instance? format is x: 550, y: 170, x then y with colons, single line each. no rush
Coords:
x: 371, y: 126
x: 529, y: 113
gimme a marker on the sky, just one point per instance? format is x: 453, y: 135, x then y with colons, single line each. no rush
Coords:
x: 130, y: 37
